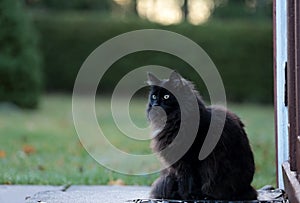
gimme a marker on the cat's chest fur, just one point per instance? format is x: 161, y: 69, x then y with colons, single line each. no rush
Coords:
x: 164, y: 136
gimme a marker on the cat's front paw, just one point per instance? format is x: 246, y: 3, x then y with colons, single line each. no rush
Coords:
x: 188, y: 189
x: 165, y: 187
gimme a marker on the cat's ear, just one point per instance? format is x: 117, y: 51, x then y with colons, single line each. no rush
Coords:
x: 152, y: 79
x: 175, y: 79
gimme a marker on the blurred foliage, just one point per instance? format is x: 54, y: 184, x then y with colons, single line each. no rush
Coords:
x: 103, y: 5
x: 233, y: 9
x: 241, y: 50
x: 20, y: 76
x: 220, y: 9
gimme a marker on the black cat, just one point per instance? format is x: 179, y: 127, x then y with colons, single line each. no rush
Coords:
x: 226, y: 174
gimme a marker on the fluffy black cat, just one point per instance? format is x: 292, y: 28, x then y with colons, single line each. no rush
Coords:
x: 226, y: 174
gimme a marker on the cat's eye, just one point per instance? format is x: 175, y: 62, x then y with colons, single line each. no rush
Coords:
x: 166, y: 96
x: 153, y: 96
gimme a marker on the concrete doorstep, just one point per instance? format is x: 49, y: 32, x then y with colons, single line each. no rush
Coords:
x: 72, y: 194
x: 98, y: 194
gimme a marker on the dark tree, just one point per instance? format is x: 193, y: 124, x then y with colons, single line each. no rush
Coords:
x: 185, y: 9
x: 20, y: 74
x: 134, y: 7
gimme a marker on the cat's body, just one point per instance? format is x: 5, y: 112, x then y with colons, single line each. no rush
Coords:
x: 226, y: 174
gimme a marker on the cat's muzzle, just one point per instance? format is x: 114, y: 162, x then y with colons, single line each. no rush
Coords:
x: 157, y: 117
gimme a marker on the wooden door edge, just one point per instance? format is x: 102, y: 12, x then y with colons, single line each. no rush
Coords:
x: 291, y: 183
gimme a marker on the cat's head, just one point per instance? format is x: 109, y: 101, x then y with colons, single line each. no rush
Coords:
x: 164, y: 93
x: 160, y: 92
x: 173, y: 99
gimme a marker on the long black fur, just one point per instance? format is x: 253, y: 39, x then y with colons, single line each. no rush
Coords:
x: 226, y: 174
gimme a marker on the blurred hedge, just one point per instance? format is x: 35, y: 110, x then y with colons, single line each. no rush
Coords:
x: 241, y: 50
x: 20, y: 75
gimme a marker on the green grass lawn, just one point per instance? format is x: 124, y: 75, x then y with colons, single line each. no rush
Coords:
x: 42, y: 147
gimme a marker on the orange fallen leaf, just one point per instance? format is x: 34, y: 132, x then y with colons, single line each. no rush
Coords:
x: 2, y: 154
x: 28, y: 149
x: 116, y: 182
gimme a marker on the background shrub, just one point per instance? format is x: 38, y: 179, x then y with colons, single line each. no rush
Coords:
x: 241, y: 50
x: 19, y: 59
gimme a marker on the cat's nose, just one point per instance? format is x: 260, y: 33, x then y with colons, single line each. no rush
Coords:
x: 155, y: 103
